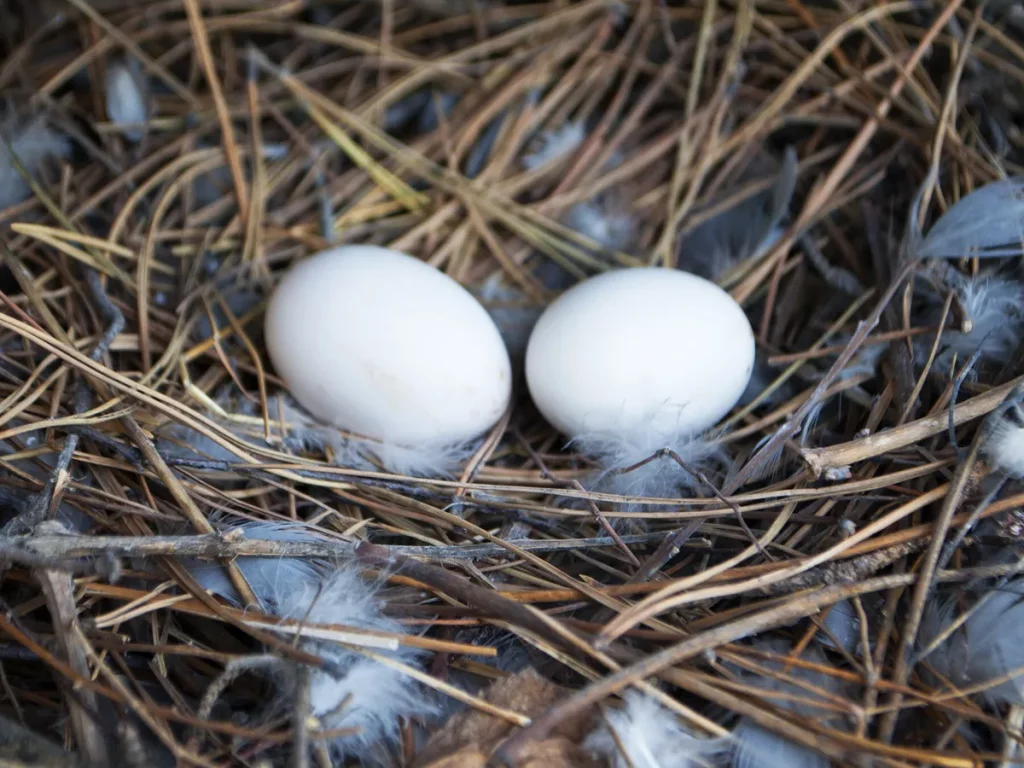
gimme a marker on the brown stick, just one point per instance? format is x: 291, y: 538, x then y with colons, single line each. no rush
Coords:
x: 845, y: 454
x: 50, y: 550
x: 60, y: 599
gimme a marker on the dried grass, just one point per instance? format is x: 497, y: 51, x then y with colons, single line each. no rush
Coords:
x: 856, y: 478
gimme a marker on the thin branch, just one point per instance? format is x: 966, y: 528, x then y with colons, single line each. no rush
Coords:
x: 50, y: 550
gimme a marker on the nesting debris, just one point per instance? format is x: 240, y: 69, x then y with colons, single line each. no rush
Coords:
x: 520, y: 148
x: 470, y: 737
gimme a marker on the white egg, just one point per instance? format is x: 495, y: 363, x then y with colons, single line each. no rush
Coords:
x: 644, y: 348
x: 385, y: 346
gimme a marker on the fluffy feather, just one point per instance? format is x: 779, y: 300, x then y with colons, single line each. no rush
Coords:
x: 989, y: 222
x: 268, y: 577
x: 304, y: 433
x: 650, y: 737
x: 368, y: 695
x: 128, y: 99
x: 348, y: 450
x: 429, y: 460
x: 609, y: 225
x: 1004, y: 448
x: 33, y: 142
x: 745, y: 231
x: 994, y: 307
x: 987, y: 646
x: 662, y: 477
x: 605, y: 218
x: 757, y: 747
x: 555, y: 145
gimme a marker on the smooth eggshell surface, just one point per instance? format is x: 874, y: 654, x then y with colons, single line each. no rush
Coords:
x: 637, y: 348
x: 384, y: 345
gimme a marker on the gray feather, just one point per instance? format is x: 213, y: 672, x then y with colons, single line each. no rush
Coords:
x: 989, y: 645
x: 32, y: 142
x: 747, y: 230
x: 989, y: 222
x: 758, y: 747
x: 268, y: 577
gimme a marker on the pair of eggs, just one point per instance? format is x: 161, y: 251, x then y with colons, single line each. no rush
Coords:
x: 385, y: 346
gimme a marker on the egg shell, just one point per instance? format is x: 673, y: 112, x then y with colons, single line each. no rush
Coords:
x: 643, y: 348
x: 383, y: 345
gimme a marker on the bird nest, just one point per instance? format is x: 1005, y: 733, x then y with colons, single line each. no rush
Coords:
x: 193, y: 576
